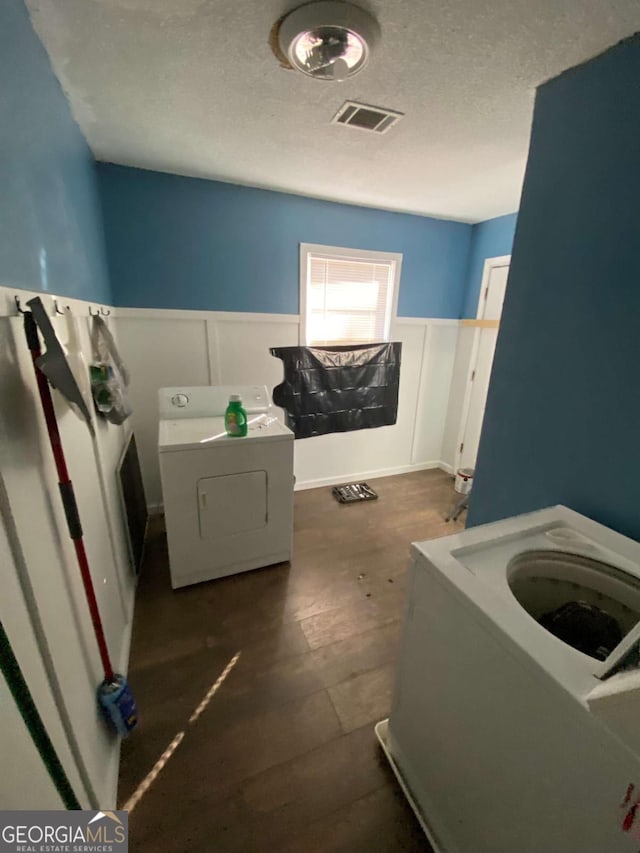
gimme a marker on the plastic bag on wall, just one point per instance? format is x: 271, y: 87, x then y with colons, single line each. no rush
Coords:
x: 339, y: 388
x: 109, y: 375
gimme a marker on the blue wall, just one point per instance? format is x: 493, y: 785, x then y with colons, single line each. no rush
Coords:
x: 489, y: 239
x: 563, y: 413
x: 176, y: 242
x: 50, y: 226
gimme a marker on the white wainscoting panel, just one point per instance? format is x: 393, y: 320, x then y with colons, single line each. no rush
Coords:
x: 165, y: 348
x: 371, y: 452
x: 31, y: 508
x: 159, y: 353
x: 459, y: 382
x: 25, y: 779
x: 433, y: 393
x: 243, y: 352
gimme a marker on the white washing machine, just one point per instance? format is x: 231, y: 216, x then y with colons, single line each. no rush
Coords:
x: 228, y: 501
x: 505, y: 737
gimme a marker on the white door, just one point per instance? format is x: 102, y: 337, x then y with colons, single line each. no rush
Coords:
x: 232, y: 504
x: 489, y: 310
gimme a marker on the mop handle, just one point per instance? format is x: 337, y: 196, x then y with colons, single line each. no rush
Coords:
x: 66, y: 492
x: 19, y: 688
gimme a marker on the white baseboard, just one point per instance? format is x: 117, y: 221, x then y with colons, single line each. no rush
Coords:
x: 365, y: 475
x: 302, y: 485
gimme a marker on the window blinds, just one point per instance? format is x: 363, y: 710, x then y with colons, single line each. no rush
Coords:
x: 348, y: 300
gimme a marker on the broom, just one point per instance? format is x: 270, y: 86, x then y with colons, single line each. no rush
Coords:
x: 114, y: 694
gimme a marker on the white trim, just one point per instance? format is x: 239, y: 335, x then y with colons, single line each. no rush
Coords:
x: 8, y: 309
x: 304, y: 485
x: 303, y: 267
x: 424, y: 362
x: 354, y: 254
x: 423, y: 321
x: 365, y: 475
x: 212, y: 339
x: 306, y: 249
x: 489, y: 265
x: 218, y: 316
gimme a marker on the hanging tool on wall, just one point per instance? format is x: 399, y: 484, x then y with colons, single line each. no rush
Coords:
x: 114, y: 694
x: 19, y: 688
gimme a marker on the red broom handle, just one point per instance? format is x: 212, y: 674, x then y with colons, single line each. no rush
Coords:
x: 66, y: 490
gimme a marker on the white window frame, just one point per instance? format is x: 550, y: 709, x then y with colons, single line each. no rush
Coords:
x: 368, y: 255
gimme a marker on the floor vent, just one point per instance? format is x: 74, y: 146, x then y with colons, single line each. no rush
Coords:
x: 365, y: 117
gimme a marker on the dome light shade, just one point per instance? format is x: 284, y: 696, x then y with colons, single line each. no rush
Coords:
x: 328, y: 39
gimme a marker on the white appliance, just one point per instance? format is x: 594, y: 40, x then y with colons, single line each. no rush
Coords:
x: 504, y: 737
x: 228, y: 501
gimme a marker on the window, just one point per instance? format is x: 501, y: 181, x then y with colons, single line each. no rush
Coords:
x: 347, y: 296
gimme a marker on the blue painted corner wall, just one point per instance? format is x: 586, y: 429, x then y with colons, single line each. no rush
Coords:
x: 51, y: 235
x: 176, y: 242
x: 490, y: 239
x: 563, y: 411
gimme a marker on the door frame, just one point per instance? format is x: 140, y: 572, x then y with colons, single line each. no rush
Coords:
x: 489, y: 265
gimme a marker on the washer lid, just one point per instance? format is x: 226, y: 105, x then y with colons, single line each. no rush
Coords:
x: 201, y: 401
x: 201, y: 433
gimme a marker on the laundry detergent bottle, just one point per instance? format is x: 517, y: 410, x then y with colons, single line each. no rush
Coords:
x: 235, y: 418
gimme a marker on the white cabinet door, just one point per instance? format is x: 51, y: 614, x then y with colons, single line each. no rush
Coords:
x: 232, y: 503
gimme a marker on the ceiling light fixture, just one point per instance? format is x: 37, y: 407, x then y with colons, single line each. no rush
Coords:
x: 328, y: 39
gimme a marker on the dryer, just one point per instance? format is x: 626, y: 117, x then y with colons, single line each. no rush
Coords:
x: 504, y: 735
x: 228, y: 501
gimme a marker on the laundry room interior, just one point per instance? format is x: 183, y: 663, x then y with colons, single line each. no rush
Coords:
x: 318, y: 366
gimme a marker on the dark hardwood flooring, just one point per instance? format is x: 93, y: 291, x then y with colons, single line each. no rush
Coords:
x: 284, y: 758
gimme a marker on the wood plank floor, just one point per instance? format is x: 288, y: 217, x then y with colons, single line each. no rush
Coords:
x: 284, y: 757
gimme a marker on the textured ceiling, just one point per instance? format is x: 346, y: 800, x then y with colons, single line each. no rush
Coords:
x: 191, y: 86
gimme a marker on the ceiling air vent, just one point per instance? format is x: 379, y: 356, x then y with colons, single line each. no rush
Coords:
x: 364, y: 117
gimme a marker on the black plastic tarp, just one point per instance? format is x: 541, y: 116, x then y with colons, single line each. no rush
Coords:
x: 339, y: 388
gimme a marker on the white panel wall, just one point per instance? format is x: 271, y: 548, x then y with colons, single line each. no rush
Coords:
x: 158, y: 352
x: 457, y: 395
x: 24, y: 777
x: 365, y: 453
x: 165, y: 348
x: 243, y: 349
x: 437, y: 371
x: 161, y: 348
x: 38, y: 542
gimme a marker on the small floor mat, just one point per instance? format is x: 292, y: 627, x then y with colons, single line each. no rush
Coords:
x: 351, y: 492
